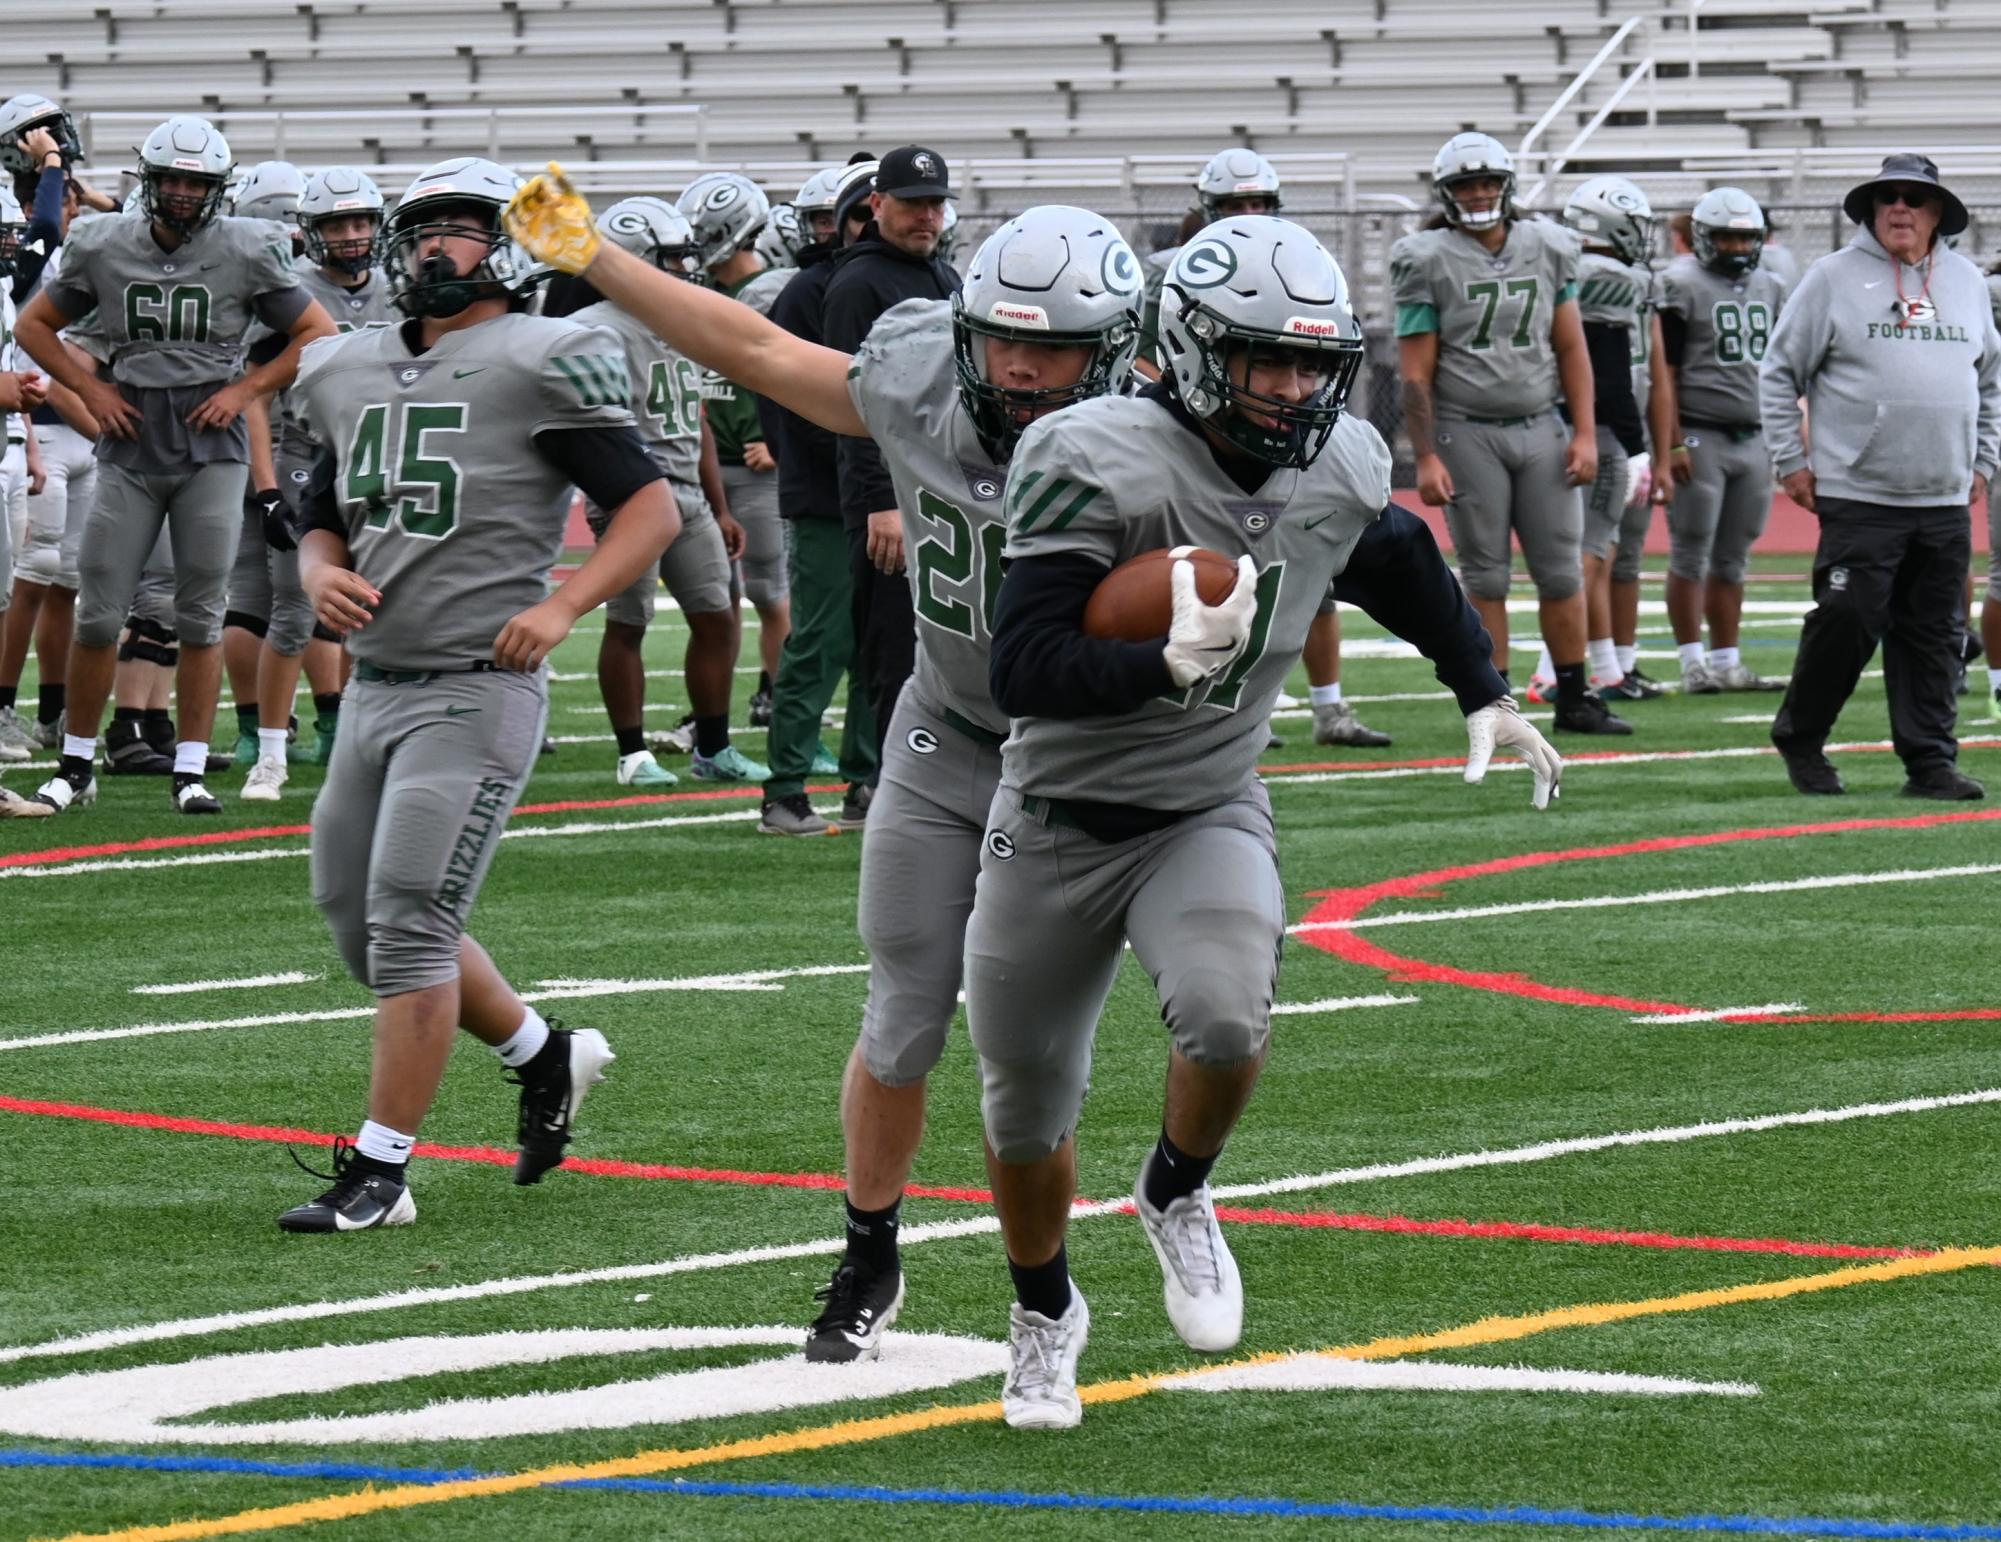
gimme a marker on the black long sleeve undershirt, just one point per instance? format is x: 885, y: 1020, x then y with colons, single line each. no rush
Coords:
x: 1611, y: 350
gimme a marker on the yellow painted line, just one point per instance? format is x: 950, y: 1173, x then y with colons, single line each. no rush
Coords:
x: 1488, y: 1330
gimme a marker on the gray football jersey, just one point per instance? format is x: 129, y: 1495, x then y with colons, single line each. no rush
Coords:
x: 1613, y: 293
x: 762, y: 290
x: 1491, y: 310
x: 1994, y: 296
x: 1729, y: 323
x: 666, y: 394
x: 352, y: 310
x: 451, y: 510
x: 905, y: 384
x: 1119, y: 476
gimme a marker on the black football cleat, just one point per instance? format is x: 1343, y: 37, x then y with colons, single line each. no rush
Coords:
x: 1588, y: 715
x: 364, y: 1195
x: 191, y: 797
x: 127, y: 753
x: 860, y: 1305
x: 553, y: 1087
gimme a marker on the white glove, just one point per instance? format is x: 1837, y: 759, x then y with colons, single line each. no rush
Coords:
x: 1204, y: 640
x: 1501, y: 724
x: 1639, y: 478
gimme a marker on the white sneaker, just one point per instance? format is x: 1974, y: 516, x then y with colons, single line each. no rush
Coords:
x: 1700, y: 680
x: 640, y: 769
x: 1201, y: 1285
x: 59, y: 793
x: 17, y: 743
x: 1742, y: 677
x: 678, y: 740
x: 1041, y: 1389
x: 266, y: 780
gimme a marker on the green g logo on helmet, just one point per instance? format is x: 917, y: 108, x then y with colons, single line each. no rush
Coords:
x: 1120, y: 269
x: 1205, y: 265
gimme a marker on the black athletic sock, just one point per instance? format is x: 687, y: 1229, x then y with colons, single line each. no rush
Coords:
x: 74, y: 769
x: 246, y: 718
x: 712, y: 734
x: 128, y: 714
x: 1570, y: 682
x: 764, y: 682
x: 158, y: 715
x: 1172, y: 1173
x: 400, y: 1171
x: 1043, y: 1288
x: 327, y: 706
x: 553, y: 1056
x: 630, y: 740
x: 872, y: 1237
x: 9, y: 694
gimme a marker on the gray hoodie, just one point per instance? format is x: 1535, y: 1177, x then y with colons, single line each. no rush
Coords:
x: 1901, y: 415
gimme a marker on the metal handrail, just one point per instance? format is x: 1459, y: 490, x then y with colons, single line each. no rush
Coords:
x: 1577, y: 84
x: 1642, y: 71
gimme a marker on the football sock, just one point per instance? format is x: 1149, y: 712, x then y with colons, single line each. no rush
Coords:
x: 77, y: 748
x: 191, y: 756
x: 1172, y: 1173
x: 327, y: 705
x: 1570, y: 682
x: 1627, y: 657
x: 527, y: 1041
x: 128, y: 714
x: 1994, y: 679
x: 246, y: 718
x: 630, y: 740
x: 1691, y: 653
x: 1604, y: 660
x: 764, y: 682
x: 9, y: 694
x: 712, y: 734
x: 872, y: 1237
x: 1545, y: 666
x: 53, y: 699
x: 1325, y: 695
x: 158, y: 715
x: 383, y: 1146
x: 270, y: 743
x: 1043, y: 1288
x: 1723, y: 658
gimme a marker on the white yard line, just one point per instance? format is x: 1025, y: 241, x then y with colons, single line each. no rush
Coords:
x: 1769, y: 1009
x: 250, y: 983
x: 1337, y: 1004
x: 1654, y: 897
x: 934, y: 1231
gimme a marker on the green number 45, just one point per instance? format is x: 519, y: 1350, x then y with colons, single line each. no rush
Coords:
x: 421, y: 493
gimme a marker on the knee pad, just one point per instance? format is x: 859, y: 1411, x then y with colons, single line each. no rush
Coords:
x: 1626, y: 558
x: 148, y: 641
x: 1688, y: 561
x: 257, y: 626
x: 1218, y: 1016
x: 324, y: 633
x: 291, y: 627
x: 1030, y: 1107
x: 1485, y: 583
x: 401, y: 960
x: 903, y: 1041
x: 1728, y: 568
x: 1559, y: 586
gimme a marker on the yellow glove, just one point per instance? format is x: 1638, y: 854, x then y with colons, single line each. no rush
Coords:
x: 551, y: 219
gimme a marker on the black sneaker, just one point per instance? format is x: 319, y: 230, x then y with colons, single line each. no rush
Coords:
x: 553, y: 1087
x: 861, y: 1304
x: 1812, y: 773
x: 855, y: 807
x: 760, y: 709
x: 1633, y: 687
x: 191, y: 797
x: 1645, y: 680
x: 1945, y: 784
x: 1588, y: 715
x: 127, y: 753
x: 365, y: 1194
x: 793, y: 815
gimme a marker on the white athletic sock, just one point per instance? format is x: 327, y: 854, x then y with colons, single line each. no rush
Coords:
x: 1627, y: 657
x: 1723, y: 658
x: 527, y: 1041
x: 1994, y: 681
x: 271, y: 744
x: 1604, y: 661
x: 1545, y: 666
x: 190, y: 758
x: 379, y: 1143
x: 1325, y: 695
x: 1691, y: 653
x: 83, y: 749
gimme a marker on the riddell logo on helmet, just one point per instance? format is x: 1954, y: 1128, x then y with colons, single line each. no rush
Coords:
x: 425, y: 192
x: 1299, y: 326
x: 188, y: 163
x: 1020, y: 315
x: 1250, y: 187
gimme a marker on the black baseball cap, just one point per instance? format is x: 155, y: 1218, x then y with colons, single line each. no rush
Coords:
x: 911, y: 171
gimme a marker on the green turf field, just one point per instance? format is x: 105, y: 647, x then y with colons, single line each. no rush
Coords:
x: 1791, y: 1030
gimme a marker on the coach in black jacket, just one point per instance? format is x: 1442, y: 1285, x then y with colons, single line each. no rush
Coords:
x: 895, y: 260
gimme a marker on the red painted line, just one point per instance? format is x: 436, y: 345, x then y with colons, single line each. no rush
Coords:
x: 1348, y: 904
x: 1318, y: 1220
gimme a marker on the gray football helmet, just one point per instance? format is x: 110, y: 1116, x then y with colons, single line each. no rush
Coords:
x: 948, y: 233
x: 270, y: 190
x: 727, y: 210
x: 1052, y: 275
x: 655, y: 232
x: 1233, y: 174
x: 1256, y: 283
x: 1613, y: 212
x: 1728, y: 209
x: 1465, y: 156
x: 184, y: 146
x: 27, y: 111
x: 779, y: 242
x: 13, y: 228
x: 421, y: 285
x: 335, y: 192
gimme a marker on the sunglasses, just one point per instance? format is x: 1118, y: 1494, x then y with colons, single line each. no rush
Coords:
x: 1909, y: 195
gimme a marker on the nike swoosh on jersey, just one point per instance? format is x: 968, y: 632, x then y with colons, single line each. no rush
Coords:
x: 1320, y: 521
x: 460, y: 374
x: 460, y: 711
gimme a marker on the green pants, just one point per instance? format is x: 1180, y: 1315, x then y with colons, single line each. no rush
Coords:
x: 819, y: 649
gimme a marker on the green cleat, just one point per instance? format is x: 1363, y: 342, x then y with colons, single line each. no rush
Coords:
x: 246, y: 750
x: 729, y: 764
x: 824, y: 763
x: 321, y: 754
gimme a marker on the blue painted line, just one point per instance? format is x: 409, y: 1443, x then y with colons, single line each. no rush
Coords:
x: 1144, y: 1504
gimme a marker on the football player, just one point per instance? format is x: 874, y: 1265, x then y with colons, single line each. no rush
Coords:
x: 1487, y: 336
x: 1718, y: 308
x: 176, y: 285
x: 339, y: 216
x: 470, y: 420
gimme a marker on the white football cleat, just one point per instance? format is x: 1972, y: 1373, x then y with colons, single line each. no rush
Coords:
x: 1041, y: 1388
x: 640, y: 769
x: 1200, y: 1283
x: 60, y: 793
x: 266, y: 780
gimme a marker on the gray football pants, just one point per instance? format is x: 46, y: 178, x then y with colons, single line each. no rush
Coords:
x: 1202, y: 906
x: 695, y: 568
x: 920, y: 862
x: 1720, y: 512
x: 753, y: 499
x: 264, y: 583
x: 203, y: 507
x: 13, y: 515
x: 57, y: 513
x: 1613, y: 527
x: 1511, y: 477
x: 424, y: 775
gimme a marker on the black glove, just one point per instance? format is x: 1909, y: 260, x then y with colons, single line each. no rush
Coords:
x: 270, y: 507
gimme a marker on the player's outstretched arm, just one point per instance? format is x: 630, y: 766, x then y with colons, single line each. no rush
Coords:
x: 641, y: 528
x: 552, y: 220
